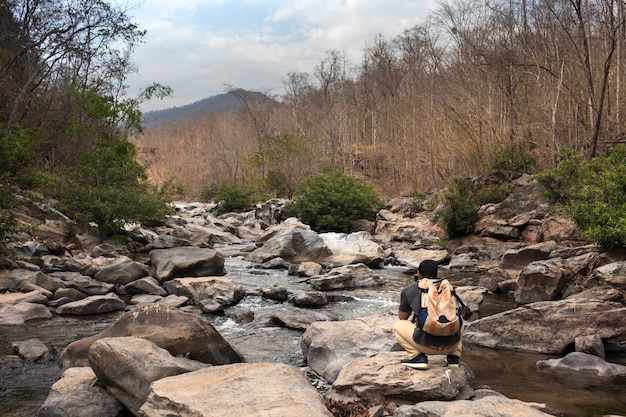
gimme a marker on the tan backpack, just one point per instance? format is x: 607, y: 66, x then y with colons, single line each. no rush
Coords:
x: 440, y: 314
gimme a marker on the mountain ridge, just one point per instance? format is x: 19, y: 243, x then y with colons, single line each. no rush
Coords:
x: 214, y: 104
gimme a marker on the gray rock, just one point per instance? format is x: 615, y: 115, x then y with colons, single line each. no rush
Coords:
x: 12, y: 298
x: 95, y: 304
x: 329, y: 346
x: 77, y: 394
x: 346, y: 277
x: 121, y: 271
x: 591, y: 344
x: 146, y: 285
x: 297, y: 318
x: 309, y: 299
x: 220, y: 289
x: 32, y: 350
x: 550, y: 326
x: 579, y: 361
x: 178, y: 332
x: 291, y: 241
x: 83, y: 283
x: 183, y: 262
x: 381, y: 377
x: 16, y: 279
x: 234, y: 391
x: 18, y: 314
x: 128, y: 365
x: 548, y: 280
x: 487, y: 406
x: 353, y: 248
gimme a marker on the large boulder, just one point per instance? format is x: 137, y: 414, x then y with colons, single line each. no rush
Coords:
x: 353, y: 248
x: 329, y: 346
x: 260, y: 389
x: 186, y: 261
x: 78, y: 394
x: 516, y: 259
x: 293, y: 242
x: 18, y: 314
x: 551, y: 326
x: 16, y: 279
x: 83, y: 283
x: 346, y: 277
x: 550, y: 279
x: 178, y: 332
x: 122, y: 270
x: 95, y: 304
x: 220, y: 289
x: 413, y: 257
x: 127, y: 366
x: 381, y: 377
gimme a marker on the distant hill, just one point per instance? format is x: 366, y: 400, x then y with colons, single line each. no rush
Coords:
x: 215, y: 104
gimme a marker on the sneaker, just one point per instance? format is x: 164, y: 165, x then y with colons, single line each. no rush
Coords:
x: 418, y: 362
x: 453, y: 361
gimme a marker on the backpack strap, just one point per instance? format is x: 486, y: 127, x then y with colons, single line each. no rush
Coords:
x: 461, y: 303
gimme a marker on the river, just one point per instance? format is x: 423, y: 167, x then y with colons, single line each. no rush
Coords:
x: 24, y: 386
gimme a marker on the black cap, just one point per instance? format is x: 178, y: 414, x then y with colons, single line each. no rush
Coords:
x: 428, y: 268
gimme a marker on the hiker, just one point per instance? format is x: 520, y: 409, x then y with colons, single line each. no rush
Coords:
x: 417, y: 342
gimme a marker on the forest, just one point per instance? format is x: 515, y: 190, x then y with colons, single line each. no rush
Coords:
x: 475, y: 81
x: 533, y: 87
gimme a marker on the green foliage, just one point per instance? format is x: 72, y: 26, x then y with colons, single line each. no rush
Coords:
x: 562, y: 181
x: 460, y: 211
x: 231, y: 197
x: 332, y: 202
x: 18, y: 153
x: 109, y: 187
x: 515, y: 157
x: 493, y: 193
x: 593, y: 194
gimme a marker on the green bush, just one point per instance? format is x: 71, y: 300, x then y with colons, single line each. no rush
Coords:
x: 593, y: 194
x: 231, y: 197
x: 460, y: 211
x: 333, y: 202
x: 18, y: 169
x: 515, y: 157
x: 109, y: 187
x: 563, y: 181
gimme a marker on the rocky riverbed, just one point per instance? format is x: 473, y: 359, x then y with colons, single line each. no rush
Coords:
x: 272, y: 309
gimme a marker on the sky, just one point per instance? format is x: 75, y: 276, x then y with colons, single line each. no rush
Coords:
x: 197, y: 47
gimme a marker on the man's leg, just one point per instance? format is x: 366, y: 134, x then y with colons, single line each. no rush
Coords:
x: 403, y: 331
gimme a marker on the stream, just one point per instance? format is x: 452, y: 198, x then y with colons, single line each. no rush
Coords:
x: 24, y: 386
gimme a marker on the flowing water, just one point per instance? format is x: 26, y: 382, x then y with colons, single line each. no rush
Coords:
x: 24, y: 386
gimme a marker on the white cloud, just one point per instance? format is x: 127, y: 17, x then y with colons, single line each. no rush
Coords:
x: 197, y: 46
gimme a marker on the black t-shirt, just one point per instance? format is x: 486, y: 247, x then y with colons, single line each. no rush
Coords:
x: 410, y: 301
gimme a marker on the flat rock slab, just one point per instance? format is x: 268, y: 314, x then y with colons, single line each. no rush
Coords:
x: 261, y: 389
x: 382, y: 377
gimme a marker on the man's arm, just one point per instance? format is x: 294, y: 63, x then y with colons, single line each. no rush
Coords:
x: 404, y: 315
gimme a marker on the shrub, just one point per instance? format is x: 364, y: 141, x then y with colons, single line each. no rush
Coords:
x: 109, y: 187
x: 593, y: 194
x: 18, y: 169
x: 515, y: 157
x: 563, y: 180
x: 460, y: 211
x: 230, y: 197
x: 333, y: 202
